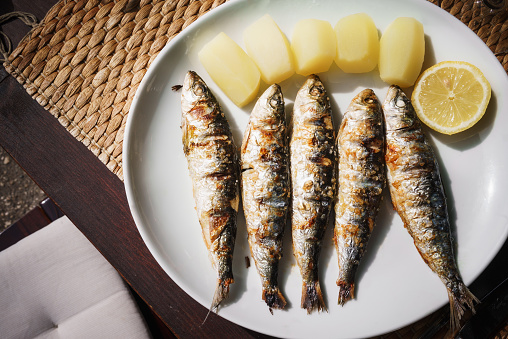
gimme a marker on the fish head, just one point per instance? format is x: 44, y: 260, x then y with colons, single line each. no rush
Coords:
x: 314, y: 89
x: 398, y: 110
x: 199, y: 107
x: 269, y: 112
x: 312, y: 98
x: 194, y: 91
x: 365, y: 103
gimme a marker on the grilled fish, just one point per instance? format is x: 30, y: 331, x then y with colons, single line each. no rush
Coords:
x: 214, y: 169
x: 313, y: 165
x: 266, y: 188
x: 418, y: 196
x: 360, y: 144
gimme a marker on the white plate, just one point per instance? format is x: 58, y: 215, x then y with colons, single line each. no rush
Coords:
x: 395, y: 287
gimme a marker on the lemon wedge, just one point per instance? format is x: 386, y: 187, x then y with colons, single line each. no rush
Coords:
x: 451, y: 96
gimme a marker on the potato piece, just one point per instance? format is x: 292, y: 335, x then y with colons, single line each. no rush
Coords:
x: 314, y: 46
x: 401, y: 53
x: 269, y: 48
x: 357, y: 43
x: 231, y: 69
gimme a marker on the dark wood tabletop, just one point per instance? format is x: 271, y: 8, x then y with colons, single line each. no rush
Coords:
x: 94, y: 199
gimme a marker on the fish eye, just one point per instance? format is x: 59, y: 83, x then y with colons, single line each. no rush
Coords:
x: 316, y: 90
x: 369, y: 100
x: 199, y: 89
x: 275, y: 101
x: 400, y: 102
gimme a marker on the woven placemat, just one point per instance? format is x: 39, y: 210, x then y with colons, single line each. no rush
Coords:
x: 85, y: 60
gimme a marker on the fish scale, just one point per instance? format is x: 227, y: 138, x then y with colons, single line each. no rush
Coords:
x: 266, y: 189
x: 418, y: 197
x: 214, y: 170
x: 313, y: 165
x: 360, y: 144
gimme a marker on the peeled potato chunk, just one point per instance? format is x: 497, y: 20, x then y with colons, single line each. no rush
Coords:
x: 269, y: 48
x: 314, y: 46
x: 231, y: 69
x: 401, y: 53
x: 357, y: 43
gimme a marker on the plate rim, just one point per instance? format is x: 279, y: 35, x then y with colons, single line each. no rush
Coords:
x: 128, y: 134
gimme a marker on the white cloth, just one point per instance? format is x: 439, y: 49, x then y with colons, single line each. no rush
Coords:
x: 55, y: 284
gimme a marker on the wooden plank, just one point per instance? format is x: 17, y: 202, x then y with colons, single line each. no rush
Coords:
x: 34, y: 220
x: 50, y: 209
x: 30, y: 223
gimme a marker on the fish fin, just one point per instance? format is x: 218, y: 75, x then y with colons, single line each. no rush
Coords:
x: 221, y: 293
x: 458, y: 303
x: 312, y: 297
x: 185, y: 136
x: 290, y: 126
x: 274, y: 298
x: 346, y: 291
x: 343, y: 124
x: 245, y: 141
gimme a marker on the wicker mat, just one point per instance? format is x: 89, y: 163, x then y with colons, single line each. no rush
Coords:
x: 85, y: 60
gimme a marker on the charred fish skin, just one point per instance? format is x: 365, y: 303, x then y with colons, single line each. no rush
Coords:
x: 266, y: 189
x: 313, y: 180
x: 214, y: 170
x: 360, y: 144
x: 418, y: 196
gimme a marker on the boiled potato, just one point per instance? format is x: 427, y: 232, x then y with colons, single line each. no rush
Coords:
x: 314, y: 46
x: 357, y: 43
x: 402, y: 49
x: 231, y: 69
x: 269, y: 49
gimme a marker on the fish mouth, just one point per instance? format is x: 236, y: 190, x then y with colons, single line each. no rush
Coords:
x: 190, y: 78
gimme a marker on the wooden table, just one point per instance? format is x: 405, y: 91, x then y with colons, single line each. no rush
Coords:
x: 95, y: 200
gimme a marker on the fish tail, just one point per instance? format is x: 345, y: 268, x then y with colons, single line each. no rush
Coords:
x: 346, y: 291
x: 274, y: 298
x: 458, y: 302
x: 312, y: 297
x: 221, y: 293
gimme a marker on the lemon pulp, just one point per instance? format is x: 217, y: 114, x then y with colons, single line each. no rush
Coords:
x: 451, y: 96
